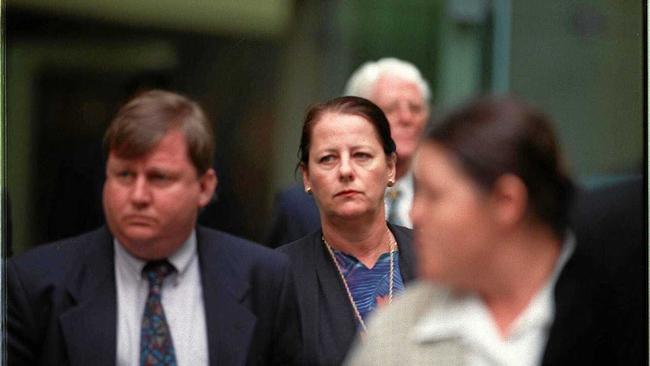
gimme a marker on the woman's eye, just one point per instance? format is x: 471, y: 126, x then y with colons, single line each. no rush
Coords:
x: 362, y: 155
x: 326, y: 159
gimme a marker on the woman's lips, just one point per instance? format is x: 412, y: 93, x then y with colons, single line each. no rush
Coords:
x: 347, y: 193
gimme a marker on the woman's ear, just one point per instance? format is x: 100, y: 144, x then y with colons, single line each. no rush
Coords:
x: 391, y: 160
x: 304, y: 170
x: 510, y: 199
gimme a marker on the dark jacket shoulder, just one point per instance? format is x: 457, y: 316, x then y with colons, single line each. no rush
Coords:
x: 301, y: 245
x: 237, y: 249
x: 402, y: 234
x: 53, y: 260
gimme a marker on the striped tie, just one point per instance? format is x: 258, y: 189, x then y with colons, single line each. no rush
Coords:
x: 156, y: 346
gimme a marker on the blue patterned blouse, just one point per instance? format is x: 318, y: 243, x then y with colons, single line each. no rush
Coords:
x: 368, y: 286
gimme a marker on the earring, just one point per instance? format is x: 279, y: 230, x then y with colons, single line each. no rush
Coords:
x: 391, y: 183
x: 308, y: 190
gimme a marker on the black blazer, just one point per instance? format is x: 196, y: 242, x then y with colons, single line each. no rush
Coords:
x: 328, y: 321
x: 62, y: 302
x: 602, y: 294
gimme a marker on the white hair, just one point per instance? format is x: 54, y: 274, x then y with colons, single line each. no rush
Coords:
x: 362, y: 82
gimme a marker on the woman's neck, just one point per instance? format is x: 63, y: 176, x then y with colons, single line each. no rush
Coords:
x: 523, y: 268
x: 365, y: 241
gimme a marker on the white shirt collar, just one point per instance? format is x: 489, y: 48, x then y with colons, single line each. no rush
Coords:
x: 457, y: 316
x: 180, y: 259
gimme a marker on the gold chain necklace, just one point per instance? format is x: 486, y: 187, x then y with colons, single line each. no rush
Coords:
x: 391, y: 243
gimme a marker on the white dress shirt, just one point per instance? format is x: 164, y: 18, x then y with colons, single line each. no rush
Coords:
x: 403, y: 202
x: 468, y: 319
x: 182, y: 301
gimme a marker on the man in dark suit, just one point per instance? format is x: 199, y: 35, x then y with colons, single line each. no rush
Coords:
x: 152, y: 287
x: 294, y: 215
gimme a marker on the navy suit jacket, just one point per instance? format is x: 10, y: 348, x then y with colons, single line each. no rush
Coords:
x: 62, y: 302
x: 611, y: 227
x: 295, y: 215
x: 328, y: 322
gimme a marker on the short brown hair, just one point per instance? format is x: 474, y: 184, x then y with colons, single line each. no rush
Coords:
x: 143, y: 121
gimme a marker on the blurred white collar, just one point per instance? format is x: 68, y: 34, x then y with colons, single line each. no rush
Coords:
x: 466, y: 316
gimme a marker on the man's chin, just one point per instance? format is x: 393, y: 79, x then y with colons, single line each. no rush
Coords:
x: 143, y: 247
x: 139, y: 236
x: 406, y: 152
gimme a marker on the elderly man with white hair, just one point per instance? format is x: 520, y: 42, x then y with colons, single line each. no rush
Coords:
x: 399, y: 89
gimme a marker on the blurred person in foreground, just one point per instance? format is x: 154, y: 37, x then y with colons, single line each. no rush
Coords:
x: 504, y: 280
x: 399, y: 89
x: 356, y: 261
x: 153, y: 288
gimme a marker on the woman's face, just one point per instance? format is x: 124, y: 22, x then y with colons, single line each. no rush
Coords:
x: 453, y: 220
x: 348, y: 170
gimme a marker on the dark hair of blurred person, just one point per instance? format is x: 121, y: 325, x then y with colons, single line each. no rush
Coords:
x: 504, y: 279
x: 494, y: 137
x: 356, y: 261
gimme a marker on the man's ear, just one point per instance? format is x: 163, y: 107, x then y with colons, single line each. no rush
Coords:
x: 510, y: 199
x: 207, y: 185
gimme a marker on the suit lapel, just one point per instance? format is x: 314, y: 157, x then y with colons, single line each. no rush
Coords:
x: 307, y: 282
x: 89, y: 326
x: 334, y: 297
x: 230, y: 325
x: 406, y: 256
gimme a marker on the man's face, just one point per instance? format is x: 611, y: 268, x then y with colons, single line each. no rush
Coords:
x: 406, y: 110
x: 151, y: 202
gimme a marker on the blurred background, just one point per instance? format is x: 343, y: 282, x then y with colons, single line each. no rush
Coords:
x: 255, y: 66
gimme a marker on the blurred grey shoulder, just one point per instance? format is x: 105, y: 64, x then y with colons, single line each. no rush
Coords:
x: 391, y: 339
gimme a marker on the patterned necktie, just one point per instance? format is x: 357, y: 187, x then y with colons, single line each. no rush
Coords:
x: 156, y: 346
x: 393, y: 214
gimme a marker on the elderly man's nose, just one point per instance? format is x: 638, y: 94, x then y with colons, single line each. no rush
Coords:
x: 404, y: 114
